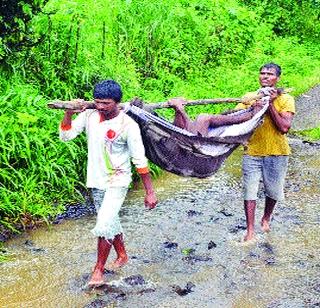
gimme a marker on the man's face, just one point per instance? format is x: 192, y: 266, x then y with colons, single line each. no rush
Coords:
x: 107, y: 105
x: 268, y: 77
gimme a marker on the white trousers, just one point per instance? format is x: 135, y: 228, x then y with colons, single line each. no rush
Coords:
x: 108, y: 220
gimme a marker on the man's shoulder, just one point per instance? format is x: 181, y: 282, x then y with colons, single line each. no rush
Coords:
x: 128, y: 119
x: 250, y: 97
x: 86, y: 116
x: 247, y: 100
x: 286, y: 98
x: 285, y: 103
x: 89, y: 113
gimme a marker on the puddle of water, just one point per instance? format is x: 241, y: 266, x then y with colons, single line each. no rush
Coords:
x: 50, y: 267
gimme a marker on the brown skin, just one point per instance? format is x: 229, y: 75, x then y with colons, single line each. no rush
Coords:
x: 110, y: 109
x: 122, y: 257
x: 103, y: 249
x: 202, y: 123
x: 282, y: 121
x: 250, y: 207
x: 150, y: 199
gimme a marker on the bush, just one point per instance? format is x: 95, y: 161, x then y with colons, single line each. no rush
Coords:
x: 38, y: 174
x: 290, y: 17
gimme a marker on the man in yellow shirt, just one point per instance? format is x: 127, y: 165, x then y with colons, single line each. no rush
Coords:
x: 266, y: 154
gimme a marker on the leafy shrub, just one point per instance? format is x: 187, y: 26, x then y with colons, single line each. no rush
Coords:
x: 38, y: 173
x: 310, y: 134
x: 290, y: 17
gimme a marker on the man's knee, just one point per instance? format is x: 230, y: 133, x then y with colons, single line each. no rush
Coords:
x: 203, y: 117
x: 202, y: 120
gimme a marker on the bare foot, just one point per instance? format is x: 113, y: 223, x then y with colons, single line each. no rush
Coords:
x: 249, y: 236
x: 119, y: 262
x: 97, y: 279
x: 265, y: 226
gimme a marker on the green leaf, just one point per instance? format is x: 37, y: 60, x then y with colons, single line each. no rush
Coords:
x: 26, y: 118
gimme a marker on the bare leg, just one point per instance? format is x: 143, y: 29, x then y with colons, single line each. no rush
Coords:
x: 249, y: 209
x: 181, y: 119
x: 220, y: 120
x: 104, y: 247
x: 268, y: 209
x: 223, y: 119
x: 122, y: 257
x: 204, y: 121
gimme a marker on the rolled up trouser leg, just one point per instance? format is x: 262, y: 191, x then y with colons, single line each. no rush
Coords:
x: 108, y: 220
x: 274, y: 173
x: 252, y: 173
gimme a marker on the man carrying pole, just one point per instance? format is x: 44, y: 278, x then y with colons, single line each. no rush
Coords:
x: 267, y: 152
x: 113, y: 140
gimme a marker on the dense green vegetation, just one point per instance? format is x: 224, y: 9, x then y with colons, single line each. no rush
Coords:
x: 59, y: 49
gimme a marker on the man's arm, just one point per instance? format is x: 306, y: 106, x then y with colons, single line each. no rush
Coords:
x: 67, y: 120
x: 70, y: 129
x: 150, y: 199
x: 181, y: 118
x: 282, y: 120
x: 137, y: 153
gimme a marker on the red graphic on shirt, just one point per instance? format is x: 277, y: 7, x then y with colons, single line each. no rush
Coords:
x: 110, y: 134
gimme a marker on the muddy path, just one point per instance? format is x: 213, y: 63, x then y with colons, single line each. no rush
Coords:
x: 187, y: 252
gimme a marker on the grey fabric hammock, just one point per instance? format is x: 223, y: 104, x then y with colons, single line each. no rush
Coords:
x: 183, y: 153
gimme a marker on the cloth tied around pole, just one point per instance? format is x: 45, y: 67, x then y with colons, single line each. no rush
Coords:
x: 183, y: 153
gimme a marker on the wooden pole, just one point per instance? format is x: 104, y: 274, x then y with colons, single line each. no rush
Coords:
x: 197, y: 102
x: 72, y: 105
x: 80, y: 104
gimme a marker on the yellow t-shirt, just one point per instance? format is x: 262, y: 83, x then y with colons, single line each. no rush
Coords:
x: 267, y: 139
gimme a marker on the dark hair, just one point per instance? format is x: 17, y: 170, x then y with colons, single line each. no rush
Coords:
x: 108, y: 89
x: 275, y: 66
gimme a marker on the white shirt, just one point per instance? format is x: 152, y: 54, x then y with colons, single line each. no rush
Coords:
x: 111, y: 145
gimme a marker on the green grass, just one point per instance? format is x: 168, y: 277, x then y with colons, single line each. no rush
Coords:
x: 310, y: 134
x: 39, y: 174
x: 4, y: 255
